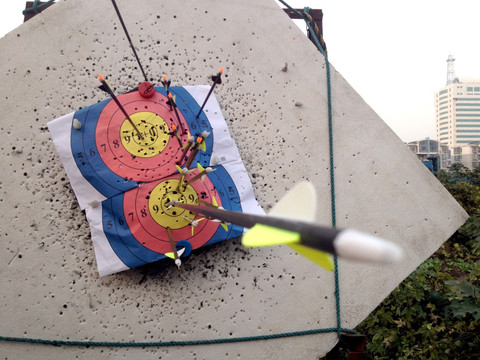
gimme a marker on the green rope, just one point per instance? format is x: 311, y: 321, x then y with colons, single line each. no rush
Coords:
x: 308, y: 20
x: 337, y: 329
x: 35, y: 9
x: 170, y: 343
x: 332, y: 167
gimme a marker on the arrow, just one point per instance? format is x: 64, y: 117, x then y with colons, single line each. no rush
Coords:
x: 178, y: 262
x: 107, y: 88
x: 304, y: 236
x: 201, y: 174
x: 199, y: 145
x: 128, y: 38
x: 216, y: 80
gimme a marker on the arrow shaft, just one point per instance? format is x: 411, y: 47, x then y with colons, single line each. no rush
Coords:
x: 174, y: 105
x: 172, y: 243
x: 128, y: 38
x: 192, y: 156
x: 217, y: 79
x: 195, y: 178
x: 184, y: 152
x: 122, y: 109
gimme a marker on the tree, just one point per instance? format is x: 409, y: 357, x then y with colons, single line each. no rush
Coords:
x: 435, y: 312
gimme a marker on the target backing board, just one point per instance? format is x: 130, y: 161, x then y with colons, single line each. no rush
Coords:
x: 126, y: 173
x: 279, y: 121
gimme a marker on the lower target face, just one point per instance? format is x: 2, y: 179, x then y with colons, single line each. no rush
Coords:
x: 152, y: 213
x: 135, y: 223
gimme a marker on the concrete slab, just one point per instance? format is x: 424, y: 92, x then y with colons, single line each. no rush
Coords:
x: 50, y: 287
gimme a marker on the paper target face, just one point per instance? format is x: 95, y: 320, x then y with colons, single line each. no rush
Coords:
x: 114, y: 154
x: 141, y: 217
x: 124, y: 173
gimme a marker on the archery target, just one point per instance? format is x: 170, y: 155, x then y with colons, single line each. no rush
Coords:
x: 128, y: 166
x: 136, y: 222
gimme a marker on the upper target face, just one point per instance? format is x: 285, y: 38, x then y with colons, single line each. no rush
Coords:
x: 115, y: 153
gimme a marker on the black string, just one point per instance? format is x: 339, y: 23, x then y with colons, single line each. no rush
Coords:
x: 128, y: 37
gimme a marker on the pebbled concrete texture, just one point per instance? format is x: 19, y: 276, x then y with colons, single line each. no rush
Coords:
x: 49, y: 285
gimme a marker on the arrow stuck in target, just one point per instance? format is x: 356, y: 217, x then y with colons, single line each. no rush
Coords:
x: 291, y: 222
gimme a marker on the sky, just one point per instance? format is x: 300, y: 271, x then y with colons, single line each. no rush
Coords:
x: 393, y: 53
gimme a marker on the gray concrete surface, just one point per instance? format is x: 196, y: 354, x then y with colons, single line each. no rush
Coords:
x: 48, y: 279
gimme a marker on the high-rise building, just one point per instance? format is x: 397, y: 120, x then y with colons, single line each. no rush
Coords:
x: 457, y: 110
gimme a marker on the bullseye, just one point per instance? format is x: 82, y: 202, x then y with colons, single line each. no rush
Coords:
x: 154, y: 131
x: 160, y: 201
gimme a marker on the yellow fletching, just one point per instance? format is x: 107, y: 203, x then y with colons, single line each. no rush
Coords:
x: 299, y: 203
x: 203, y: 146
x: 214, y: 201
x: 262, y: 235
x: 318, y: 257
x: 200, y: 167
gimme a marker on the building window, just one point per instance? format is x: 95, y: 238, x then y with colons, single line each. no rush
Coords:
x: 468, y: 104
x: 468, y: 99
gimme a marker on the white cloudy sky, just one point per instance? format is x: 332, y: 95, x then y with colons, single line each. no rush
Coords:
x: 392, y: 52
